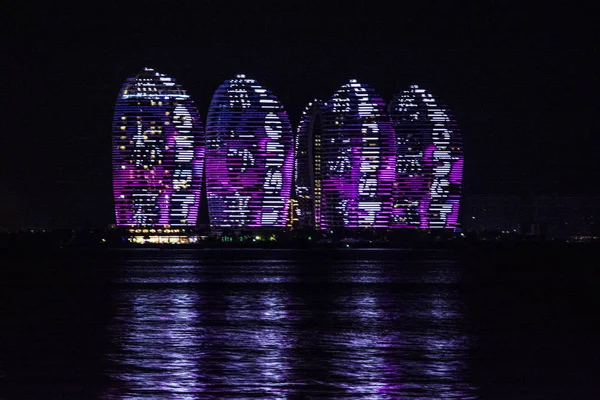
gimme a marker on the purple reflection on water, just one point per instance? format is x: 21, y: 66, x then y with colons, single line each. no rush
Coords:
x: 285, y: 328
x: 157, y: 338
x: 431, y: 369
x: 360, y: 361
x: 255, y: 343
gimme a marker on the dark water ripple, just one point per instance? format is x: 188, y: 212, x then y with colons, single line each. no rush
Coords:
x: 281, y: 328
x: 345, y: 325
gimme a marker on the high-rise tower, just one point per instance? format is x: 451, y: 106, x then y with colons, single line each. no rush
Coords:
x: 249, y: 157
x: 429, y: 161
x: 157, y: 153
x: 307, y: 173
x: 351, y: 168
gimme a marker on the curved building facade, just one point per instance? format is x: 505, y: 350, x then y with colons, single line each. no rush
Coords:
x: 429, y: 163
x: 249, y: 157
x: 357, y: 155
x: 307, y: 171
x: 157, y: 153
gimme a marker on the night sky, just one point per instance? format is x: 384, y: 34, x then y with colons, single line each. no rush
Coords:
x: 522, y: 81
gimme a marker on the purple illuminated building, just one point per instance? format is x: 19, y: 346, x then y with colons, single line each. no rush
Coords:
x: 249, y: 157
x: 158, y: 153
x: 349, y: 162
x: 429, y: 162
x: 307, y: 172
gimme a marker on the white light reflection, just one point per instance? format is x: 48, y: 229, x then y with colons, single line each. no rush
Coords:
x: 360, y: 358
x: 441, y: 348
x: 435, y: 364
x: 158, y: 336
x: 363, y: 342
x: 259, y: 360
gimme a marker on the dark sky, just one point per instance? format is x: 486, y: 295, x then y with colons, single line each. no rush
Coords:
x: 520, y: 78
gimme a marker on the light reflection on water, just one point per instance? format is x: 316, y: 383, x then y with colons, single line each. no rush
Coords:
x: 278, y: 329
x: 159, y: 338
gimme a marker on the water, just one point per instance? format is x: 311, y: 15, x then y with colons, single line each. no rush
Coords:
x: 287, y: 324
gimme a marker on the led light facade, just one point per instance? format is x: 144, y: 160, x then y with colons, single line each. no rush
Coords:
x: 157, y: 153
x: 249, y: 157
x: 307, y: 171
x: 351, y: 168
x: 429, y: 162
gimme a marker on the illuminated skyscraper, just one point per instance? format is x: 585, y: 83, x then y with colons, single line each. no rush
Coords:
x: 349, y: 160
x: 158, y: 153
x: 249, y: 157
x: 429, y: 164
x: 307, y: 173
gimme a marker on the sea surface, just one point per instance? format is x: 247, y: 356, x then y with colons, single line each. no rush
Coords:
x: 492, y: 323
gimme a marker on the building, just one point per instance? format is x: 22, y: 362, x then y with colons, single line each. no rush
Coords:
x: 249, y: 157
x: 157, y: 154
x: 307, y: 171
x: 346, y: 175
x: 429, y: 162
